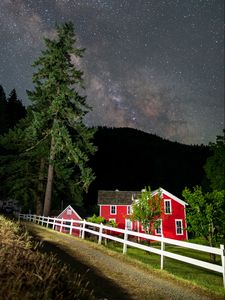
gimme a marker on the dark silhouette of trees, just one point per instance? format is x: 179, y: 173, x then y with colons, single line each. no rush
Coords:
x: 11, y: 110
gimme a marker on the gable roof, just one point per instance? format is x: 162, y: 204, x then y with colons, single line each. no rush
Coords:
x: 127, y: 197
x: 73, y: 211
x: 168, y: 194
x: 117, y: 197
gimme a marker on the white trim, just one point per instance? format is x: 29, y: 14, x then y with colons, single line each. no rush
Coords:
x: 130, y: 227
x: 73, y: 211
x: 182, y: 229
x: 112, y: 219
x: 159, y: 227
x: 170, y: 201
x: 110, y: 209
x: 168, y: 194
x: 129, y: 209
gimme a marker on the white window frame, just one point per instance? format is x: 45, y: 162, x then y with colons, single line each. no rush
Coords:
x: 129, y: 209
x: 112, y: 219
x: 113, y: 213
x: 159, y: 227
x: 69, y: 212
x: 180, y: 227
x: 170, y: 205
x: 128, y: 221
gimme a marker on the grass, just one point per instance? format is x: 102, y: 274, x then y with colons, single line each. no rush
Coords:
x: 209, y: 280
x: 26, y: 273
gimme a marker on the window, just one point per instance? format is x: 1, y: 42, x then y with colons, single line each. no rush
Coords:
x: 112, y: 209
x: 129, y: 209
x: 69, y: 212
x: 158, y: 228
x: 167, y: 207
x: 179, y: 227
x: 128, y: 224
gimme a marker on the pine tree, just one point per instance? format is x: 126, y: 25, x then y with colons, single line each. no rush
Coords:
x: 15, y: 109
x: 58, y: 112
x: 3, y: 112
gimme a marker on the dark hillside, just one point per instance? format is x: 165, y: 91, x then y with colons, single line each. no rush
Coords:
x: 129, y: 159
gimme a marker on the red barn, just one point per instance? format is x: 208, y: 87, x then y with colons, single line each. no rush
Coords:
x: 117, y: 206
x: 69, y: 214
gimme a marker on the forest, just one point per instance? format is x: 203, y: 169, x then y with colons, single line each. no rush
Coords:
x: 126, y: 159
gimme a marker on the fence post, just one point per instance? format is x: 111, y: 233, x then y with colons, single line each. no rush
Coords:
x: 61, y: 226
x: 83, y: 230
x: 162, y: 250
x: 53, y: 226
x: 71, y: 226
x: 124, y: 242
x: 42, y: 222
x: 223, y: 262
x: 47, y: 223
x: 100, y: 234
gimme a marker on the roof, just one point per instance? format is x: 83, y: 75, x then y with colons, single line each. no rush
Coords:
x: 117, y: 197
x: 168, y: 194
x: 126, y: 197
x: 73, y: 211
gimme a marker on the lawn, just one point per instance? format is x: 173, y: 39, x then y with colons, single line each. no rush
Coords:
x: 207, y: 279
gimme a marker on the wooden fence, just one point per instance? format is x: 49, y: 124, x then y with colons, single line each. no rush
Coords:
x: 122, y: 236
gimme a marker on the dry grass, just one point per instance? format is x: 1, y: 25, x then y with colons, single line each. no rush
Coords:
x: 26, y: 273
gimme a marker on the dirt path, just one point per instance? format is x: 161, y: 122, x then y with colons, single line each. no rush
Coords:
x: 110, y: 275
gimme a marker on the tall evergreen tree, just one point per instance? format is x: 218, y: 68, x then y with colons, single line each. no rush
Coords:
x: 15, y: 109
x: 3, y: 112
x: 58, y: 112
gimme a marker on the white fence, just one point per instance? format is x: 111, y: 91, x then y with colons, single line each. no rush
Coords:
x: 103, y: 231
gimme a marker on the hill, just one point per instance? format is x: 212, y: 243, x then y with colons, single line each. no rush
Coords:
x: 129, y: 159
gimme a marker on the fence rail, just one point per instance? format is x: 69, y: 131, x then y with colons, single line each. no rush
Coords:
x: 102, y: 231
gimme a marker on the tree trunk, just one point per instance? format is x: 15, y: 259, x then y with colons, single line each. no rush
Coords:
x: 40, y: 189
x: 48, y: 191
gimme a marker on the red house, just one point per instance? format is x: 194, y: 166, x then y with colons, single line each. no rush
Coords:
x: 69, y: 214
x: 117, y: 206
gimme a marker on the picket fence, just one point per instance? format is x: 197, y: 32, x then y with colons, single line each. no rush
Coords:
x: 106, y: 232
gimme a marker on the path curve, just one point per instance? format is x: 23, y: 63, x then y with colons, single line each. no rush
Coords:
x: 111, y: 276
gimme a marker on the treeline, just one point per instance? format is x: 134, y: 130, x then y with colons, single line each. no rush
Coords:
x: 130, y: 159
x: 11, y: 110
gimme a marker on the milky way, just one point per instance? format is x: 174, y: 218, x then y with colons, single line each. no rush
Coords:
x: 157, y: 66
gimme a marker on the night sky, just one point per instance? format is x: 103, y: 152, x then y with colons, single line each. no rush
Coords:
x: 157, y: 66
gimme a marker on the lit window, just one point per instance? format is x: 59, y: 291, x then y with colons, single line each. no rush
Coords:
x: 179, y: 227
x: 167, y: 207
x: 113, y: 210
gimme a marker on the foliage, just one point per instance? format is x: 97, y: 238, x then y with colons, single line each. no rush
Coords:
x: 11, y: 110
x: 205, y: 214
x: 215, y: 164
x: 147, y: 209
x: 99, y: 220
x: 26, y: 273
x: 58, y: 111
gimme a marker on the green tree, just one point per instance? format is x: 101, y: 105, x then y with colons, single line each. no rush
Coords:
x: 3, y: 111
x: 15, y: 109
x: 205, y: 214
x: 215, y: 164
x: 147, y: 209
x: 58, y: 111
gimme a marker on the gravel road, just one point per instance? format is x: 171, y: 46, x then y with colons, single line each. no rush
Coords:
x: 110, y: 275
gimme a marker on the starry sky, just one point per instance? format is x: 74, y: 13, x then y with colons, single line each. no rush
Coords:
x: 155, y: 65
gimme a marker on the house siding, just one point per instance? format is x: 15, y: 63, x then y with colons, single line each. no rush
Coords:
x: 168, y: 220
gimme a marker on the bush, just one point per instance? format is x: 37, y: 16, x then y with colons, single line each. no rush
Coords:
x: 26, y: 273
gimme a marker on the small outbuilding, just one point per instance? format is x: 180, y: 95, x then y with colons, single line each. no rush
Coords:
x: 69, y: 213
